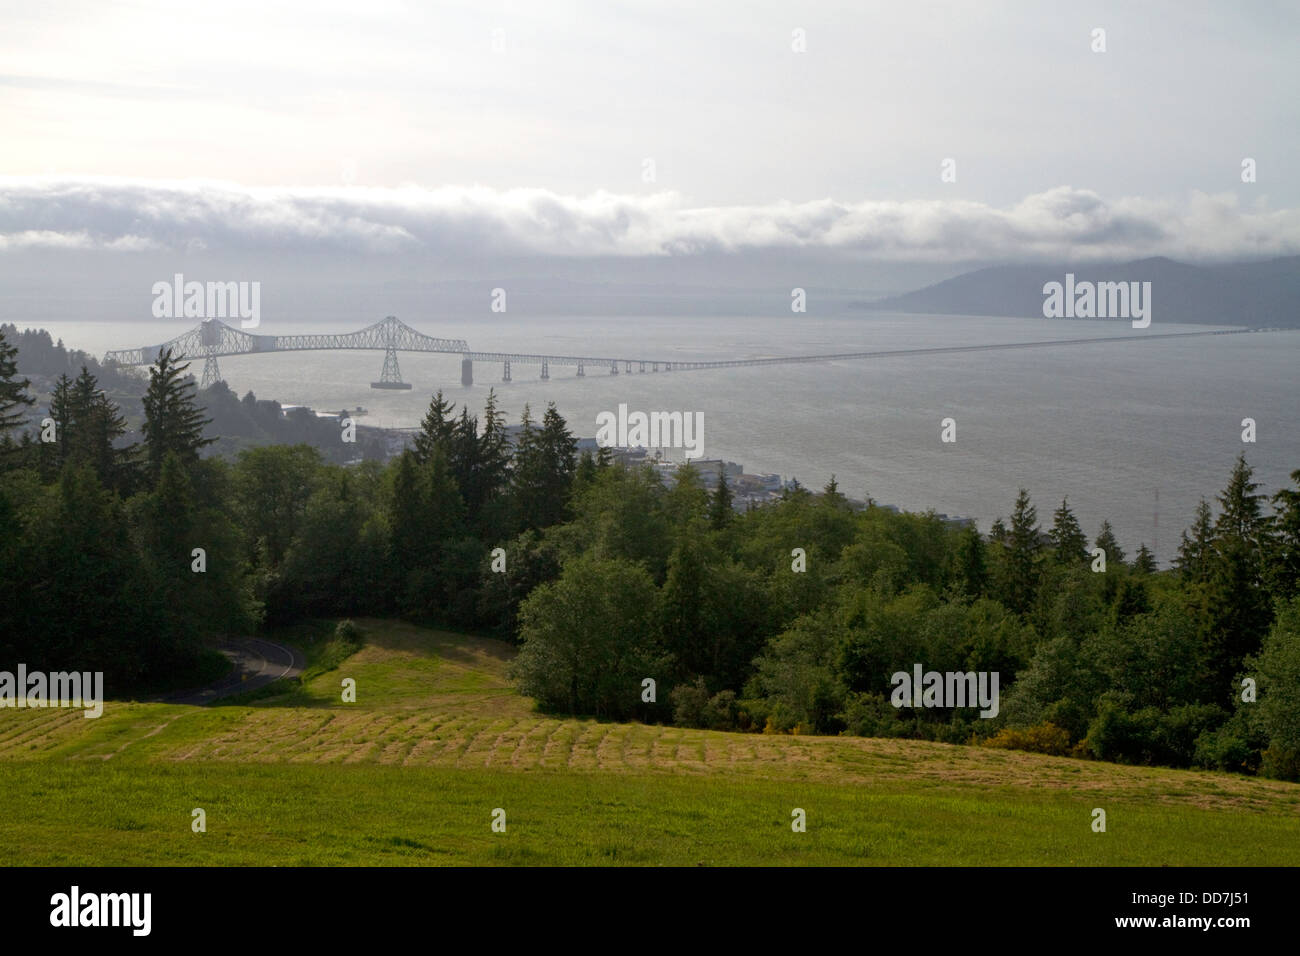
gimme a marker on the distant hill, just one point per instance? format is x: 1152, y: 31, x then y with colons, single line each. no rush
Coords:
x: 1257, y: 294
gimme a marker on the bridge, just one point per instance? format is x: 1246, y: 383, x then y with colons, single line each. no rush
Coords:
x: 212, y: 339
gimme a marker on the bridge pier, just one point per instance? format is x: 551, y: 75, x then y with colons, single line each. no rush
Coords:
x: 391, y: 376
x: 581, y: 373
x: 505, y: 372
x: 467, y: 371
x: 546, y: 371
x: 211, y: 372
x: 613, y: 367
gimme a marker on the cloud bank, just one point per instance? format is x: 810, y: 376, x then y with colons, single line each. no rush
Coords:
x: 455, y: 221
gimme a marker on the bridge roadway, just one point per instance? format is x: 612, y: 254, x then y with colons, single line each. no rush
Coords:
x: 676, y: 365
x: 212, y: 339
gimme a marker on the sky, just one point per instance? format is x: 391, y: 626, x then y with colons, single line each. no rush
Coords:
x: 656, y: 129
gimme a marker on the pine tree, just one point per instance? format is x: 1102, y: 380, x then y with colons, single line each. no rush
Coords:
x: 971, y: 563
x: 463, y: 461
x: 172, y: 421
x: 413, y: 545
x: 1144, y: 562
x: 1238, y: 602
x: 13, y: 392
x: 998, y: 532
x: 1242, y: 516
x: 1023, y: 549
x: 527, y: 476
x: 97, y: 425
x: 1106, y: 541
x: 558, y: 448
x: 1069, y: 544
x: 1284, y: 558
x: 831, y: 495
x: 493, y: 451
x: 1194, y: 551
x: 586, y: 472
x: 62, y: 413
x: 436, y: 429
x: 720, y: 513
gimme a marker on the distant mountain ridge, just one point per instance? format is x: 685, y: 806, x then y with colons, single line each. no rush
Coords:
x: 1256, y: 294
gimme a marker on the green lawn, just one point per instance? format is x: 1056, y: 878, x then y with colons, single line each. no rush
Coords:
x: 411, y: 773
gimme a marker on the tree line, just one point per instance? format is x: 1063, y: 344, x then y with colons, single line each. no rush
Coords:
x: 789, y: 618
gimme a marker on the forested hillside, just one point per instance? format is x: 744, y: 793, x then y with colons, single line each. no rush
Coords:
x: 789, y: 618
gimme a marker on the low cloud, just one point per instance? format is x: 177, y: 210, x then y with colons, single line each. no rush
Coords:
x: 453, y: 221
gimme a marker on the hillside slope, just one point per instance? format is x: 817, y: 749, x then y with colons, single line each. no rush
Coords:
x: 437, y: 740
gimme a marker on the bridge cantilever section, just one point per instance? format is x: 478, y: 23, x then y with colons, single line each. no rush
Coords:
x: 213, y: 339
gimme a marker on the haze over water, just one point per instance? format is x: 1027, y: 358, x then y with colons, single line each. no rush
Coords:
x: 1107, y: 424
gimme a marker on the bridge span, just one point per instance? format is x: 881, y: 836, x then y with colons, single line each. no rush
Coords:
x: 213, y: 339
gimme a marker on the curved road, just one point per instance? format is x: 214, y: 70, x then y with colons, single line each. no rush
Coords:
x: 257, y: 663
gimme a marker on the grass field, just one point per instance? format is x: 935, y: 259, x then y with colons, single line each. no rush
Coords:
x: 410, y: 774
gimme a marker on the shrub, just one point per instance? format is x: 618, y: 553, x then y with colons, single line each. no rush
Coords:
x: 689, y: 703
x: 347, y: 630
x: 1044, y: 738
x: 1280, y: 763
x: 871, y: 715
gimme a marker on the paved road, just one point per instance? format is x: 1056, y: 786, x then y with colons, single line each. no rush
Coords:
x: 257, y: 663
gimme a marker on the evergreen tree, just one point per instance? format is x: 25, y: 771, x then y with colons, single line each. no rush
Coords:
x: 1284, y: 558
x: 1023, y: 549
x: 493, y: 459
x: 528, y: 474
x: 1069, y: 544
x: 1237, y: 600
x: 1195, y: 549
x: 463, y: 461
x: 436, y: 429
x: 720, y: 512
x: 97, y: 425
x: 13, y: 392
x: 62, y: 413
x: 1106, y: 541
x: 585, y: 474
x: 971, y: 563
x: 173, y: 423
x: 558, y: 448
x: 410, y: 517
x: 1144, y: 562
x: 831, y: 495
x: 998, y: 532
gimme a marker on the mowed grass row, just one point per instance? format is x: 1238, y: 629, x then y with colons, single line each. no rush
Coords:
x: 437, y: 739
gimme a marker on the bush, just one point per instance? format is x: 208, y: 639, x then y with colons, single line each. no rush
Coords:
x: 693, y: 707
x: 1149, y: 736
x: 1232, y: 747
x: 871, y: 715
x: 689, y: 703
x: 347, y: 630
x: 1280, y: 763
x: 1044, y: 738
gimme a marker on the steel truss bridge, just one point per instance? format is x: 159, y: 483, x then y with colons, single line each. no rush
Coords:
x: 213, y: 339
